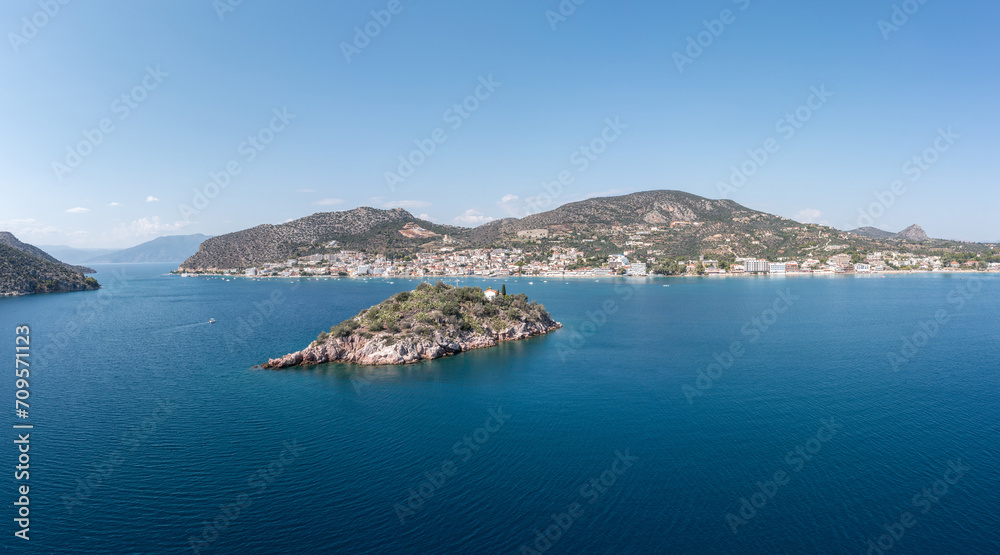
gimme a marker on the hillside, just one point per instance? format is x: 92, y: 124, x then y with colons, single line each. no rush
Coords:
x: 691, y: 217
x: 171, y: 248
x: 7, y: 238
x: 393, y: 231
x: 658, y: 225
x: 914, y: 233
x: 24, y: 274
x: 428, y: 322
x: 673, y: 224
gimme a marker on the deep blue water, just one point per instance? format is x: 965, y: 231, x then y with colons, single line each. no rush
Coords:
x: 162, y: 413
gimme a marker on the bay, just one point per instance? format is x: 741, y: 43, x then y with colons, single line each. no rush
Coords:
x: 152, y: 426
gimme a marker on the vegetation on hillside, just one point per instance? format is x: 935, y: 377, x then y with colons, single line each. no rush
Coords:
x: 653, y: 226
x: 439, y: 309
x: 23, y: 274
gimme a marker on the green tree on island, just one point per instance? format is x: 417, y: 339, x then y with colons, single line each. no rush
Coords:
x: 503, y: 290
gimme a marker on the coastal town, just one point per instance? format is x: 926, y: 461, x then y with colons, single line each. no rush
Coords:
x: 570, y: 262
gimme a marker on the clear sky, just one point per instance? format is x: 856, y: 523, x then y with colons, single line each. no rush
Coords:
x: 190, y: 88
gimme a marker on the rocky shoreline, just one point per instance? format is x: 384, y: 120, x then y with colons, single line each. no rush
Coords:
x: 376, y: 351
x: 427, y: 323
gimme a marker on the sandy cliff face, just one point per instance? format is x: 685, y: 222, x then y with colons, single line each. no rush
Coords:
x: 383, y: 349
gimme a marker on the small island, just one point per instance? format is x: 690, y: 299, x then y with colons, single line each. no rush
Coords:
x: 429, y: 322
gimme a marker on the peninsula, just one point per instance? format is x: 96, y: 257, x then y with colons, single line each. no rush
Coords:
x: 429, y: 322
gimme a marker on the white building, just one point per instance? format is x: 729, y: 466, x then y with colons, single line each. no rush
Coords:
x: 490, y: 294
x: 862, y: 268
x: 636, y: 269
x: 754, y: 266
x: 776, y: 267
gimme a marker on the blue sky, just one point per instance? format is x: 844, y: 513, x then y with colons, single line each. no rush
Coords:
x: 200, y: 81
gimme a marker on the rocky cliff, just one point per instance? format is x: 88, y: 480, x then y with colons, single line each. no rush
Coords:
x: 429, y: 322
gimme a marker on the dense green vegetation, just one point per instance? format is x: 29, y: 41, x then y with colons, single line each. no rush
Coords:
x: 439, y: 308
x: 22, y: 273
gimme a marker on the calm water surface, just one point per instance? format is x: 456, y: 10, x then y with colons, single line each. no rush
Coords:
x: 615, y: 434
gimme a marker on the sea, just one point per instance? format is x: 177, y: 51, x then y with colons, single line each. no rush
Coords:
x: 794, y: 414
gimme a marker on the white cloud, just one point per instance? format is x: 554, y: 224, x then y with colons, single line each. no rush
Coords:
x: 78, y: 210
x: 144, y: 227
x: 151, y: 198
x: 407, y: 204
x: 807, y: 215
x: 472, y: 217
x: 27, y: 227
x: 513, y: 206
x: 328, y: 201
x: 305, y: 190
x: 113, y: 204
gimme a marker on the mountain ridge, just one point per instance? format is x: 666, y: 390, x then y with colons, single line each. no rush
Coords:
x: 913, y: 233
x: 651, y: 224
x: 167, y: 248
x: 360, y: 228
x: 23, y: 273
x: 8, y: 238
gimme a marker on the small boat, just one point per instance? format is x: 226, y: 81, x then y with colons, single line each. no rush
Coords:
x: 211, y: 320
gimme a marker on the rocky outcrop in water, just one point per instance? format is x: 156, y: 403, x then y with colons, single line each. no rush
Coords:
x: 429, y: 322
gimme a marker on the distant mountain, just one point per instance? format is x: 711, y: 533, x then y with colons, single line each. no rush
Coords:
x: 74, y: 255
x: 7, y: 238
x: 171, y: 248
x: 370, y: 229
x: 914, y: 233
x: 873, y: 232
x: 22, y: 272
